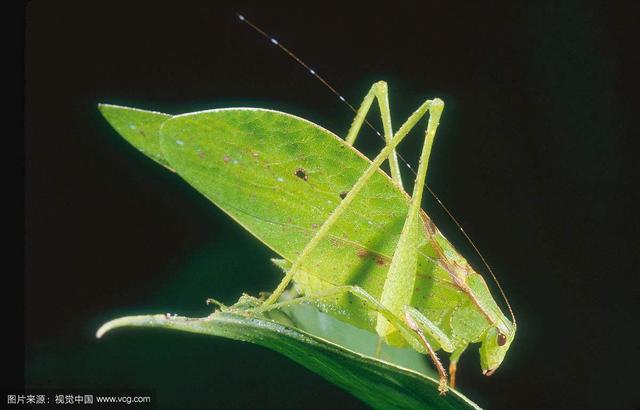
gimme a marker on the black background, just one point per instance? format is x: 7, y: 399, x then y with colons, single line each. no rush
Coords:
x: 533, y: 156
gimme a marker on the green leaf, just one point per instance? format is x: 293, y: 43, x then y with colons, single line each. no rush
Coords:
x: 139, y: 127
x: 380, y: 384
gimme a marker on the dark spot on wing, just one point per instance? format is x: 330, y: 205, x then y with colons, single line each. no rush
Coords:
x: 380, y: 261
x: 301, y: 173
x: 362, y: 253
x: 343, y: 194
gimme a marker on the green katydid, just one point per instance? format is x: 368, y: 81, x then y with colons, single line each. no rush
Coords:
x: 353, y: 242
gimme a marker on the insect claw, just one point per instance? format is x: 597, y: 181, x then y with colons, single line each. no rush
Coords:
x: 442, y: 387
x: 262, y: 295
x: 488, y: 372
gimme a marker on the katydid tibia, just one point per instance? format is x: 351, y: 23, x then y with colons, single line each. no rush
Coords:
x: 353, y: 242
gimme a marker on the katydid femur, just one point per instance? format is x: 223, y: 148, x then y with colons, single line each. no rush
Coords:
x: 352, y: 241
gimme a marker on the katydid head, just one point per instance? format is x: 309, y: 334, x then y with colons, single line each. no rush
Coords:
x: 495, y: 343
x: 500, y: 332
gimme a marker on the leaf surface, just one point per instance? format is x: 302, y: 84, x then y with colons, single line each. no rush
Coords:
x: 381, y: 385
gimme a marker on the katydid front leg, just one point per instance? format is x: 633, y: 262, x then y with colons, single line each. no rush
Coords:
x: 399, y: 285
x: 329, y: 222
x: 453, y: 364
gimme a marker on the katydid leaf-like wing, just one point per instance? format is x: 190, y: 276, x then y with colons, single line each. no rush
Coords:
x: 280, y: 177
x: 139, y: 127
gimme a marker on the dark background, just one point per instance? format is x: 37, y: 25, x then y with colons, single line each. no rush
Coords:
x: 534, y: 157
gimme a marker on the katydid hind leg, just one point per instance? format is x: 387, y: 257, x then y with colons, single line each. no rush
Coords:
x: 420, y: 323
x: 351, y: 195
x: 442, y: 373
x: 380, y: 92
x: 400, y: 282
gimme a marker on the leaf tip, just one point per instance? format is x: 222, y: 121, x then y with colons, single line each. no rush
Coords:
x: 125, y: 321
x: 106, y: 327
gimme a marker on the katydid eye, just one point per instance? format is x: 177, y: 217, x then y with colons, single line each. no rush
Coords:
x: 502, y: 339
